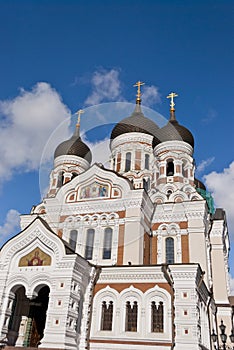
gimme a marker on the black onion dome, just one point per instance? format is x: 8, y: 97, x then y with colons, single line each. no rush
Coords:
x: 137, y: 122
x: 174, y: 131
x: 74, y: 147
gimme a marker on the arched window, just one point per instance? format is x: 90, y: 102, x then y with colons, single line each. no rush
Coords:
x: 60, y: 179
x: 128, y: 161
x: 107, y: 244
x: 184, y: 171
x: 73, y: 239
x: 147, y: 161
x: 170, y: 250
x: 113, y: 163
x: 170, y: 167
x: 89, y: 244
x: 131, y: 317
x: 157, y: 317
x: 118, y: 162
x: 107, y: 316
x: 138, y: 160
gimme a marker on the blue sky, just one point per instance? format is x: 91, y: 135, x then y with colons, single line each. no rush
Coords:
x: 68, y: 51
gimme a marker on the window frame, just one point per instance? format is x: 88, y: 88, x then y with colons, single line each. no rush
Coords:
x: 128, y: 161
x: 157, y: 317
x: 169, y: 250
x: 147, y: 161
x: 73, y: 241
x: 107, y: 243
x: 107, y: 313
x: 131, y: 325
x: 89, y: 248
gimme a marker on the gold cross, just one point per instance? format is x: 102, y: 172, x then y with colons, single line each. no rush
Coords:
x: 171, y: 96
x: 138, y: 95
x: 78, y: 113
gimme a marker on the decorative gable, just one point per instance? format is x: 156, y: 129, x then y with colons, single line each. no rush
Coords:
x: 96, y: 183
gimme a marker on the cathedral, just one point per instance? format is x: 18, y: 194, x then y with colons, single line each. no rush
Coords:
x: 131, y: 257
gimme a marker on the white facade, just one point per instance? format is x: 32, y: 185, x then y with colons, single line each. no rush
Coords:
x: 125, y: 258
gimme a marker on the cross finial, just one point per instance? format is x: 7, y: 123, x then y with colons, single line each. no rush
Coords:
x: 172, y: 95
x: 78, y: 113
x: 138, y: 95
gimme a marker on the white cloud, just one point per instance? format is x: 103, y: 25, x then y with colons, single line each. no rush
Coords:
x: 10, y: 226
x: 105, y: 87
x: 100, y: 152
x: 150, y: 95
x: 222, y: 187
x: 210, y: 116
x: 27, y: 122
x: 204, y: 164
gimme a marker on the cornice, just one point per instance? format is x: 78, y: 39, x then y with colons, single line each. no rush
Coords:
x: 168, y: 217
x: 69, y: 159
x: 172, y: 146
x: 132, y: 274
x: 131, y: 137
x: 95, y: 207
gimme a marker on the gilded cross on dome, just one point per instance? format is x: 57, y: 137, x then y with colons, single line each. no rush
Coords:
x: 138, y: 95
x: 78, y: 113
x: 172, y: 95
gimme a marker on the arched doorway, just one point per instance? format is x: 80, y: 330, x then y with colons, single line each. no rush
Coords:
x: 19, y: 310
x: 28, y: 318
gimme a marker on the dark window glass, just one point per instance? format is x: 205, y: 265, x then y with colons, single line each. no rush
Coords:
x: 73, y: 239
x: 170, y: 168
x: 107, y: 316
x: 170, y: 250
x: 147, y: 161
x: 89, y: 244
x: 131, y: 317
x: 157, y: 317
x: 146, y: 184
x: 74, y: 175
x: 60, y: 179
x: 128, y: 161
x: 107, y: 243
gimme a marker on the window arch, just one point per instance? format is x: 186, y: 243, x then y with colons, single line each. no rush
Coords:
x: 170, y: 255
x: 89, y: 244
x: 147, y: 161
x: 128, y: 161
x: 170, y: 167
x: 131, y: 316
x: 73, y: 239
x: 157, y: 317
x: 107, y: 316
x: 107, y: 243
